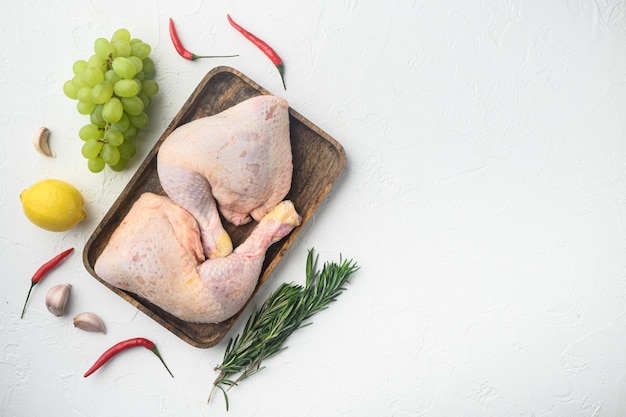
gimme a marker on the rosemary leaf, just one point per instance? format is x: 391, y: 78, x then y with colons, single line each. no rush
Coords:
x: 284, y: 311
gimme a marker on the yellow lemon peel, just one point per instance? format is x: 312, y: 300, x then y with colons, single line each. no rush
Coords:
x: 53, y: 205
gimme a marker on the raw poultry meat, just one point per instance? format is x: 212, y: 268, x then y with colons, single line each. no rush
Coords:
x: 241, y: 157
x: 156, y: 253
x: 173, y: 250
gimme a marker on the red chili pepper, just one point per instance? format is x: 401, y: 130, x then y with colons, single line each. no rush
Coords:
x: 182, y: 51
x: 43, y: 271
x: 123, y: 345
x: 267, y: 50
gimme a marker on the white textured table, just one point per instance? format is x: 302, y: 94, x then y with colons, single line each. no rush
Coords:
x: 484, y: 198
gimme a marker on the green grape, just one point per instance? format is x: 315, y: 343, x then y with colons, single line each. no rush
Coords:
x: 127, y: 149
x: 85, y: 108
x: 93, y: 76
x: 148, y: 65
x: 70, y: 89
x: 110, y: 154
x: 120, y: 165
x: 79, y: 66
x: 145, y: 99
x: 137, y: 62
x: 112, y: 110
x: 102, y: 92
x: 111, y: 76
x: 124, y: 67
x: 90, y: 131
x: 84, y: 94
x: 114, y: 88
x: 139, y: 121
x: 95, y: 164
x: 122, y: 124
x: 96, y: 116
x: 91, y: 148
x: 132, y: 105
x: 121, y: 35
x: 103, y: 48
x: 114, y: 137
x: 97, y: 62
x: 149, y: 87
x: 140, y: 49
x: 127, y: 88
x: 129, y: 133
x: 79, y: 82
x: 121, y: 47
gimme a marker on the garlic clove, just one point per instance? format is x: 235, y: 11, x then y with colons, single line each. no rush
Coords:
x: 89, y: 322
x: 40, y: 141
x: 56, y: 299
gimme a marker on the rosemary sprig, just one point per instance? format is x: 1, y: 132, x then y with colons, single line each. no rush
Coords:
x: 284, y: 311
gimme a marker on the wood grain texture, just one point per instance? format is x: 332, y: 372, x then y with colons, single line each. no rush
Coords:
x: 318, y: 161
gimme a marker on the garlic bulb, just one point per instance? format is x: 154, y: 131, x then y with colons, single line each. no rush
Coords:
x: 56, y: 299
x: 89, y: 322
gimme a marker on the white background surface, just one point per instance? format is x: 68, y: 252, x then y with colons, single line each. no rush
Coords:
x: 484, y: 198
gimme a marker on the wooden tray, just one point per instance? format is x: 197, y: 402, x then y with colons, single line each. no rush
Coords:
x: 318, y: 161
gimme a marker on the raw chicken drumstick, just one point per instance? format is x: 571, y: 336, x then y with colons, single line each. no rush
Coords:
x: 156, y: 253
x: 238, y: 161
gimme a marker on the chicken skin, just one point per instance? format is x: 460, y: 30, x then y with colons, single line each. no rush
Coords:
x: 157, y: 254
x: 237, y: 162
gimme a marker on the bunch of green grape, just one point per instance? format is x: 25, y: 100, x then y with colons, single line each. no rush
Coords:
x: 114, y: 88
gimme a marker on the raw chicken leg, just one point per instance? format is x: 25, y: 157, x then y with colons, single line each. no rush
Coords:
x: 156, y: 253
x: 241, y: 156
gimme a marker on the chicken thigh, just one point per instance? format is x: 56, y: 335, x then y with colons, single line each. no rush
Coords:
x: 238, y: 161
x: 156, y: 253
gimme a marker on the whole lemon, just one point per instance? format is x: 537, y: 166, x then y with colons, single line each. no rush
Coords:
x: 53, y: 205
